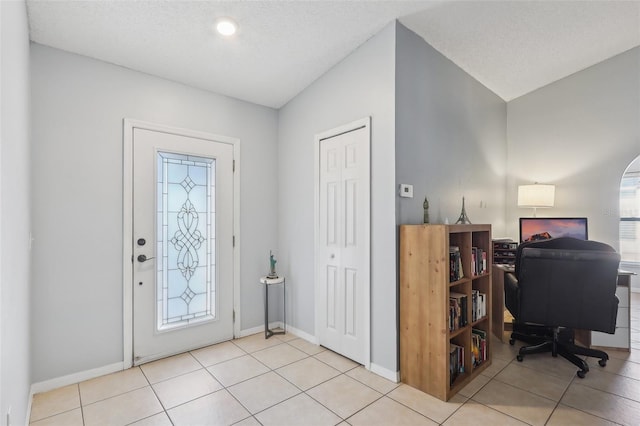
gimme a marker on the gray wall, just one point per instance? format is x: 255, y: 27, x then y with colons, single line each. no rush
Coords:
x: 78, y: 108
x: 361, y: 85
x: 450, y: 138
x: 15, y: 212
x: 579, y: 133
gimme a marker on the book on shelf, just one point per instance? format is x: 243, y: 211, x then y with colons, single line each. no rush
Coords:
x: 457, y: 310
x: 455, y: 264
x: 478, y: 346
x: 456, y: 361
x: 478, y: 261
x: 478, y: 305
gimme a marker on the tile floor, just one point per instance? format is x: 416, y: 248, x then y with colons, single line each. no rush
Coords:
x: 288, y: 381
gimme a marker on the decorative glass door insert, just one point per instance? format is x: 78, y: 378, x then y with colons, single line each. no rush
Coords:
x: 186, y: 240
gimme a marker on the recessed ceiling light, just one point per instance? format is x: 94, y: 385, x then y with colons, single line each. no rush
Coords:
x: 226, y: 26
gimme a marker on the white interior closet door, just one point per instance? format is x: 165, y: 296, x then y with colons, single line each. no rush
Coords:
x: 342, y: 242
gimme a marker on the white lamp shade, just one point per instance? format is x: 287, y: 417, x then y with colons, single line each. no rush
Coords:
x: 536, y: 195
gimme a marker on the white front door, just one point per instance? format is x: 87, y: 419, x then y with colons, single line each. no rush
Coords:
x: 342, y: 246
x: 182, y: 242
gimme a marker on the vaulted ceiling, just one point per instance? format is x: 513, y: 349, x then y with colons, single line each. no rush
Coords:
x: 512, y: 47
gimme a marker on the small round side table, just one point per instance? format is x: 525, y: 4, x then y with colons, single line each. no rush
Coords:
x: 267, y: 281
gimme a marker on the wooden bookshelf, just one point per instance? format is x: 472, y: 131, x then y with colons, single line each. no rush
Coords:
x: 425, y: 335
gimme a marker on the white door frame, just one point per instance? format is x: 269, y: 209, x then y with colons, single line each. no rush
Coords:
x: 355, y: 125
x: 127, y: 224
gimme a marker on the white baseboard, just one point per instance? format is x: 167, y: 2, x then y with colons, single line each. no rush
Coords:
x: 394, y: 376
x: 302, y: 334
x: 250, y: 331
x: 29, y: 403
x: 81, y: 376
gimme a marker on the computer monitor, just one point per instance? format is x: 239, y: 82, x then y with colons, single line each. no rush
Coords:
x: 543, y: 228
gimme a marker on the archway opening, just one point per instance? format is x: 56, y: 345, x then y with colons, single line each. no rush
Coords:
x: 630, y: 214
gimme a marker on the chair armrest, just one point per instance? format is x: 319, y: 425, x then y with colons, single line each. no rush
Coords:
x: 612, y: 316
x: 512, y: 294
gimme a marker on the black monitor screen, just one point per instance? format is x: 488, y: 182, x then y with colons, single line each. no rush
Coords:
x: 543, y: 228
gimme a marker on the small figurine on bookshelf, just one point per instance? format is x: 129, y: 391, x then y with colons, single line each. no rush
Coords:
x: 463, y: 219
x: 272, y: 266
x: 425, y: 206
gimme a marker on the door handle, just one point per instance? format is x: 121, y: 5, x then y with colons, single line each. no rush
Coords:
x: 143, y: 258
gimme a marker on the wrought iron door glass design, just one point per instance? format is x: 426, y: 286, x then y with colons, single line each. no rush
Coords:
x: 186, y: 279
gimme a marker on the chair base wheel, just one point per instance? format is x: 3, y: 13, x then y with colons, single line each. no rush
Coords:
x: 512, y: 342
x: 519, y: 358
x: 581, y: 374
x: 602, y: 362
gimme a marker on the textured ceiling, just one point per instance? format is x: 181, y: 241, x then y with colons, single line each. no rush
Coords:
x: 282, y: 46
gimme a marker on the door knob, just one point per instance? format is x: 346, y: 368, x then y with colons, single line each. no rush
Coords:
x: 142, y: 258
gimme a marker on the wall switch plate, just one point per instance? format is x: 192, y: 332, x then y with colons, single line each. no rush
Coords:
x: 406, y: 191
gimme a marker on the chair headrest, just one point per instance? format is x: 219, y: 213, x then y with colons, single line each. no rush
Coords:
x: 561, y: 243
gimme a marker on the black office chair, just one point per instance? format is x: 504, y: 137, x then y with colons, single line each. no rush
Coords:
x: 561, y: 285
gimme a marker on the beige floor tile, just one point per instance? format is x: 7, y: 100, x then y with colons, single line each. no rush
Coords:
x: 522, y: 405
x: 217, y: 353
x: 279, y: 356
x: 167, y: 368
x: 257, y: 342
x: 564, y: 415
x: 160, y: 419
x: 425, y: 404
x: 299, y: 410
x: 372, y: 380
x: 599, y: 378
x: 111, y: 385
x: 473, y: 414
x: 474, y: 386
x: 122, y: 409
x: 336, y: 361
x: 308, y: 373
x: 504, y: 351
x: 633, y: 356
x: 546, y: 363
x: 602, y: 404
x: 497, y: 365
x: 263, y: 392
x: 68, y: 418
x: 542, y: 384
x: 617, y: 366
x: 285, y: 337
x: 54, y: 402
x: 344, y: 395
x: 249, y: 421
x: 185, y: 388
x: 384, y: 412
x: 237, y: 370
x: 218, y: 408
x: 306, y: 347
